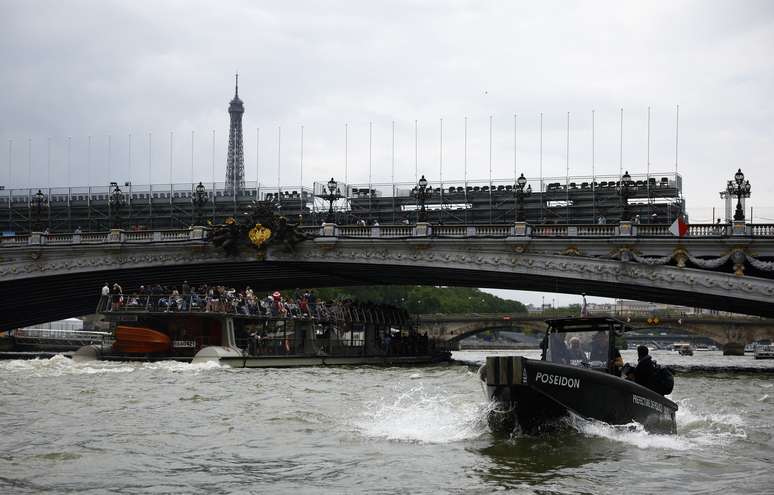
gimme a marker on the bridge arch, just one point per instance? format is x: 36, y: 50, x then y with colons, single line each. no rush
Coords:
x: 49, y: 282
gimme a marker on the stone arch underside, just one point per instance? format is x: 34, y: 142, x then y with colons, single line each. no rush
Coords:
x: 456, y: 331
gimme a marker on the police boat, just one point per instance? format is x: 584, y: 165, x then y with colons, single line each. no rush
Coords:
x: 578, y: 375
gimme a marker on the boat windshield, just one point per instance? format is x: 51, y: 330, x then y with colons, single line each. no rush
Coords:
x: 587, y: 349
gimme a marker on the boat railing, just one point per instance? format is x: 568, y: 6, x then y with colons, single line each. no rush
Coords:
x: 268, y: 346
x: 345, y: 347
x: 58, y: 334
x: 189, y: 303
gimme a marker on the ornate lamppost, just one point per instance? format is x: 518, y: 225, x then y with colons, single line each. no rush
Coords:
x: 116, y: 203
x: 623, y: 190
x: 199, y: 200
x: 334, y: 194
x: 520, y: 193
x: 741, y: 189
x: 40, y: 200
x: 422, y: 193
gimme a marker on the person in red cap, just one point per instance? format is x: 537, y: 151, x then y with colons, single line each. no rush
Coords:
x: 277, y: 303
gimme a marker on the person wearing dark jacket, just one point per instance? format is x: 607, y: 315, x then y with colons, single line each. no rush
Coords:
x: 646, y: 368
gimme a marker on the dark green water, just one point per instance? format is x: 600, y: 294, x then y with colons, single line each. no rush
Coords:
x: 177, y: 428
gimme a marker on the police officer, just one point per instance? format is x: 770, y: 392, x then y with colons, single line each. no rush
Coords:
x: 646, y: 368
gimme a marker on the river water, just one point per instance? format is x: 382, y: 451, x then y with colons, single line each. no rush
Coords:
x: 181, y: 428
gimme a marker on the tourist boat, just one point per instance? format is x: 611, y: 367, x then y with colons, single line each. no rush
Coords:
x: 575, y: 377
x: 346, y: 334
x: 683, y: 348
x: 764, y: 351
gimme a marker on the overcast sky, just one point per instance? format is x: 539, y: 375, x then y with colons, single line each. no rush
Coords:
x: 77, y: 69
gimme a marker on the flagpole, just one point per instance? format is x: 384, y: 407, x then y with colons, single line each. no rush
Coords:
x: 593, y: 170
x: 541, y: 167
x: 620, y: 154
x: 515, y: 173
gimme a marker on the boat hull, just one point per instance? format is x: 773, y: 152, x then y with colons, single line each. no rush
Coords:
x: 298, y: 361
x: 764, y: 352
x: 535, y: 394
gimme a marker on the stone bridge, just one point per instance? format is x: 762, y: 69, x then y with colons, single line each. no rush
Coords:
x: 730, y: 268
x: 723, y: 330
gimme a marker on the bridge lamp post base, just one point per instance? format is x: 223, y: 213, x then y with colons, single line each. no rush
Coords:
x: 739, y: 228
x: 197, y: 232
x: 422, y: 229
x: 625, y: 228
x: 520, y: 229
x: 116, y: 235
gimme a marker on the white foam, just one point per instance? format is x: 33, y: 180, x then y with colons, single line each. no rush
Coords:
x: 632, y: 434
x: 695, y: 430
x: 688, y: 416
x: 418, y: 416
x: 709, y: 429
x: 178, y: 366
x: 60, y: 365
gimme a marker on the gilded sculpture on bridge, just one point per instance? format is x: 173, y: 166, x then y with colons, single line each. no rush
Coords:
x: 260, y: 227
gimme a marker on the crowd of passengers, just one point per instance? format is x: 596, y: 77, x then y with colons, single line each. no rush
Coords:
x: 245, y: 301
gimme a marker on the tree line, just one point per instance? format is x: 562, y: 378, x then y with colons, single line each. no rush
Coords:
x: 426, y: 299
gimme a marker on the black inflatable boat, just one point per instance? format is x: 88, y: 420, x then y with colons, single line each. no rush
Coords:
x: 576, y: 375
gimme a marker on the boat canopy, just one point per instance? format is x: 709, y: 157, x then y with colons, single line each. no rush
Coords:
x: 586, y: 342
x: 587, y: 324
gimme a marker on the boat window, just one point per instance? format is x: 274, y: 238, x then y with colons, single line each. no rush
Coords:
x: 587, y: 349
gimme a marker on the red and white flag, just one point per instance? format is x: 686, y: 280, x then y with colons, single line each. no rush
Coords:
x: 679, y: 228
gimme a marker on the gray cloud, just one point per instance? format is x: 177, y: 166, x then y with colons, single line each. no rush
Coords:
x: 114, y: 68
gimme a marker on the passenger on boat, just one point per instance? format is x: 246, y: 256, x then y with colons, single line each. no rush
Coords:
x: 599, y: 345
x: 557, y: 350
x: 105, y: 295
x: 618, y: 363
x: 117, y: 295
x: 252, y: 343
x: 575, y: 354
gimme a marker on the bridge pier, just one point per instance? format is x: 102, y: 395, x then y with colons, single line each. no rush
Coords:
x: 733, y: 349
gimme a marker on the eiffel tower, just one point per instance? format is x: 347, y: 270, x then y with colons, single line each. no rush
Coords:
x: 235, y: 164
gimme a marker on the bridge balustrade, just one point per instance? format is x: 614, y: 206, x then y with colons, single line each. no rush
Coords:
x: 138, y: 236
x: 493, y: 230
x: 355, y: 231
x: 450, y: 230
x: 549, y: 231
x: 643, y: 230
x: 406, y: 231
x: 762, y: 230
x: 395, y: 231
x: 707, y: 230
